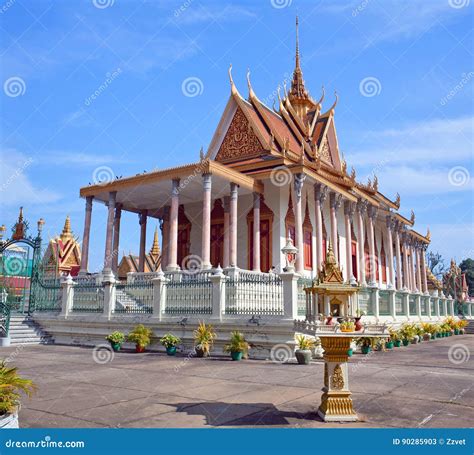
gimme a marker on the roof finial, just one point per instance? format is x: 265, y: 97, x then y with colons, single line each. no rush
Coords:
x: 232, y: 85
x: 297, y: 58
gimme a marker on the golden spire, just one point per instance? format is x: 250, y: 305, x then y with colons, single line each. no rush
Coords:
x: 67, y: 233
x: 155, y: 248
x: 298, y: 90
x: 20, y: 215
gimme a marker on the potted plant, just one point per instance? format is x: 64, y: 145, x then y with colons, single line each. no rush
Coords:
x: 204, y: 337
x: 116, y: 339
x: 169, y: 341
x: 303, y: 353
x: 358, y: 324
x: 12, y: 386
x: 141, y: 336
x: 347, y: 326
x: 237, y: 346
x: 365, y: 344
x: 462, y: 323
x: 407, y: 334
x: 389, y: 344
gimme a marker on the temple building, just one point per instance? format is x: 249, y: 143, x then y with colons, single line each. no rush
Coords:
x: 268, y: 174
x: 130, y: 263
x: 63, y: 253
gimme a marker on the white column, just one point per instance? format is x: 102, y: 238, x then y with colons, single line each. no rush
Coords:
x: 361, y: 209
x: 86, y: 235
x: 173, y: 231
x: 218, y: 294
x: 398, y: 257
x: 206, y: 221
x: 67, y: 298
x: 233, y: 225
x: 349, y: 209
x: 320, y: 194
x: 423, y: 269
x: 116, y: 242
x: 225, y: 258
x: 256, y: 232
x: 334, y: 204
x: 165, y: 231
x: 142, y: 219
x: 109, y: 232
x: 418, y: 269
x: 290, y: 294
x: 389, y: 247
x: 372, y: 211
x: 406, y: 275
x: 159, y: 295
x: 298, y: 186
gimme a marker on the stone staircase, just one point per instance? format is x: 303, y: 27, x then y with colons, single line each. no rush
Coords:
x: 470, y: 327
x: 125, y: 301
x: 24, y: 330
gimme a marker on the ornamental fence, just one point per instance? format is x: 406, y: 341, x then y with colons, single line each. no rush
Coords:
x: 221, y: 294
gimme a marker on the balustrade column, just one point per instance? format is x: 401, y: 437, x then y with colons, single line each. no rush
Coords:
x: 320, y: 193
x: 412, y: 267
x: 298, y: 186
x: 348, y: 214
x: 206, y: 221
x: 142, y: 219
x: 423, y: 271
x: 361, y: 209
x: 406, y: 282
x: 116, y: 242
x: 109, y: 232
x: 256, y: 232
x: 86, y: 235
x: 372, y: 211
x: 398, y: 258
x: 225, y: 256
x: 418, y: 270
x: 391, y: 271
x: 173, y: 230
x: 334, y: 204
x: 233, y: 225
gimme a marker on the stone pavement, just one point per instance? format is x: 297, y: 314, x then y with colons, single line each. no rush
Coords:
x: 418, y: 386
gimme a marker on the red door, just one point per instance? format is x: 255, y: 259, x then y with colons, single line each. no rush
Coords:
x: 183, y: 245
x: 217, y: 244
x: 265, y: 246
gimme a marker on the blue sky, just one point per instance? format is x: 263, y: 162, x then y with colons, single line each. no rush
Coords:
x: 403, y: 70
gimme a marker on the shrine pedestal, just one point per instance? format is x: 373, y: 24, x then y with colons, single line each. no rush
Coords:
x: 336, y: 401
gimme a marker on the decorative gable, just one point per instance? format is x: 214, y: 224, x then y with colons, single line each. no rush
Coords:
x: 240, y: 140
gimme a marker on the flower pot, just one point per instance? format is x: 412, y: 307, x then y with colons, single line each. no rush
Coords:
x: 456, y: 331
x: 438, y: 335
x: 303, y: 356
x: 9, y: 421
x: 426, y: 337
x: 365, y: 349
x: 171, y: 350
x: 329, y: 320
x: 397, y: 343
x: 433, y: 336
x: 413, y: 341
x: 405, y: 342
x: 139, y: 348
x: 115, y: 346
x: 347, y: 330
x: 389, y: 345
x: 358, y: 324
x: 461, y: 331
x: 236, y: 355
x: 350, y: 352
x: 200, y: 352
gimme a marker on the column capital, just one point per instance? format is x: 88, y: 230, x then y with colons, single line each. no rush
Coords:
x: 320, y: 192
x: 206, y: 181
x: 118, y: 211
x: 142, y: 217
x: 175, y: 187
x: 89, y: 200
x: 233, y: 190
x: 298, y: 183
x: 372, y: 212
x: 390, y: 222
x: 335, y: 200
x: 112, y: 199
x: 349, y: 208
x: 362, y: 206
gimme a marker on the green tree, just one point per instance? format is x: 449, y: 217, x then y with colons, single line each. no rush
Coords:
x: 467, y: 267
x: 436, y: 264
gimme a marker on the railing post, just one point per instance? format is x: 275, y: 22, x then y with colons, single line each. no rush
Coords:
x: 290, y: 294
x: 159, y: 295
x: 218, y: 280
x: 67, y: 298
x: 406, y: 303
x: 109, y: 295
x: 374, y: 295
x: 436, y: 307
x: 392, y: 303
x: 418, y: 305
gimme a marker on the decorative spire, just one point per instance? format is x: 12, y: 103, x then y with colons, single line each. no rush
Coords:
x: 67, y: 233
x: 155, y: 248
x: 297, y: 58
x: 298, y: 90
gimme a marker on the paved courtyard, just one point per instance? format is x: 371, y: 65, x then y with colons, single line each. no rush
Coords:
x: 417, y: 386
